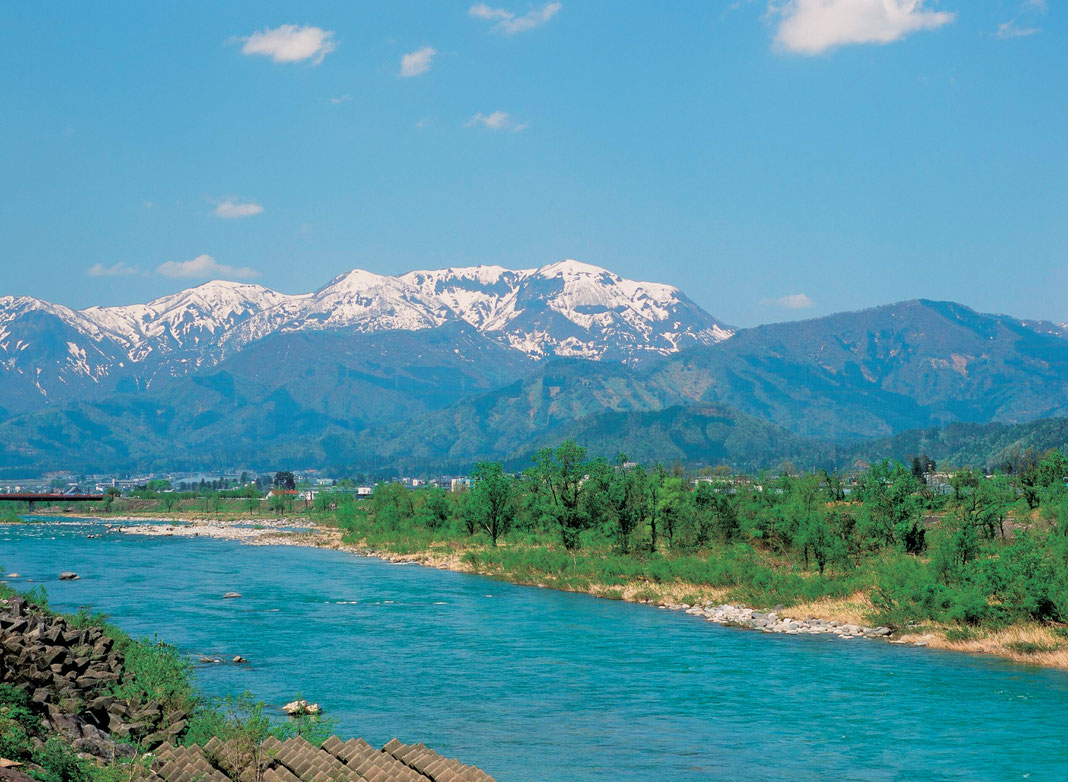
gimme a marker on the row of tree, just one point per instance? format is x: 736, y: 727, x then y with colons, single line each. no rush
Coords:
x: 647, y: 508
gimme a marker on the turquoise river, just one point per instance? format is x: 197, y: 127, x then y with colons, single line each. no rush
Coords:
x: 532, y: 684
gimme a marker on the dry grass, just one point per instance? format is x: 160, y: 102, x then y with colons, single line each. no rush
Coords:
x: 663, y: 594
x: 1031, y: 643
x: 854, y: 609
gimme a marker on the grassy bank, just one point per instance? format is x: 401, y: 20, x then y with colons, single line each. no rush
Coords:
x: 980, y: 566
x: 971, y: 562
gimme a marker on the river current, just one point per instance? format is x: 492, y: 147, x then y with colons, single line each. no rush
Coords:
x: 533, y: 684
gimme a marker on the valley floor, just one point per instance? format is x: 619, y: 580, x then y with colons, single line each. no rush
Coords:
x: 849, y: 617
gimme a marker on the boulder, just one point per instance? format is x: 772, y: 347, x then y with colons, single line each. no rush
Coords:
x: 68, y: 575
x: 301, y: 707
x: 231, y: 595
x: 12, y: 774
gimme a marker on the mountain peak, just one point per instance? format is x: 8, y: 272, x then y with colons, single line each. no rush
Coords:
x: 571, y: 268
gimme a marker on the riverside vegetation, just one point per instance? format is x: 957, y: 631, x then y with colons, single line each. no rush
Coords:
x: 980, y: 563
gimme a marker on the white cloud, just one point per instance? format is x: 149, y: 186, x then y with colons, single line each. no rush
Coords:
x: 341, y: 99
x: 508, y: 23
x: 119, y: 269
x: 1029, y: 9
x: 815, y: 26
x: 414, y: 63
x: 792, y: 301
x: 232, y: 210
x: 425, y: 122
x: 203, y: 267
x: 1010, y: 30
x: 497, y: 120
x: 290, y: 43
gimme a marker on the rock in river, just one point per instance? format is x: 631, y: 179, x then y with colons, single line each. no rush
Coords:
x: 301, y: 707
x: 231, y: 595
x: 68, y: 575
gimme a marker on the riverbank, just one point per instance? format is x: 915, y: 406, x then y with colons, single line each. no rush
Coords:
x: 847, y: 618
x: 81, y: 701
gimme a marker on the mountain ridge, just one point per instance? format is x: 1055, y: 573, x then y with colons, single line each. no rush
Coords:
x: 562, y: 309
x: 459, y: 364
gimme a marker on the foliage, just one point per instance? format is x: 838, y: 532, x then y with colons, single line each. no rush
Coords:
x: 974, y: 556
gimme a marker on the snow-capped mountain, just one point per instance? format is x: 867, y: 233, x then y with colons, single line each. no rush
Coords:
x: 191, y: 323
x: 563, y: 309
x: 51, y: 353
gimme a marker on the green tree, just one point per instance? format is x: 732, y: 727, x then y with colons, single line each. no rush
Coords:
x: 627, y: 494
x: 392, y: 501
x: 672, y: 507
x: 492, y: 501
x: 436, y: 510
x: 717, y: 514
x: 891, y: 514
x: 561, y: 473
x: 277, y: 503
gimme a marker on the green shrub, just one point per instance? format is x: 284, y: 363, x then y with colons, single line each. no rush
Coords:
x: 1030, y: 647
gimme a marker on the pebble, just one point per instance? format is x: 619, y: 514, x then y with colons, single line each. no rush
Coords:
x: 771, y: 622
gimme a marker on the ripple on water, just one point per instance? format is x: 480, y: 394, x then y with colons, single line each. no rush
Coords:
x: 533, y: 684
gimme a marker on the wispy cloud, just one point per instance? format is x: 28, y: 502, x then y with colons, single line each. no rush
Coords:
x: 1010, y: 29
x: 341, y: 99
x: 119, y: 269
x: 424, y: 122
x: 204, y: 267
x: 1015, y: 28
x: 792, y: 301
x: 414, y: 63
x: 290, y: 43
x: 509, y: 23
x: 816, y: 26
x: 233, y: 210
x: 497, y: 120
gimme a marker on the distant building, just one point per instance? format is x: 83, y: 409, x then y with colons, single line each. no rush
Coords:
x: 460, y: 484
x: 364, y: 491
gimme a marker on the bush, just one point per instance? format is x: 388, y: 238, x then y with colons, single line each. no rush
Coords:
x: 155, y: 671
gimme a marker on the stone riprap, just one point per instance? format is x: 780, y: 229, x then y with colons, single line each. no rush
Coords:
x: 297, y: 760
x: 774, y: 622
x: 70, y: 674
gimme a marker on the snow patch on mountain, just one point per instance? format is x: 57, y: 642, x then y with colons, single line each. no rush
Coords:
x: 566, y: 308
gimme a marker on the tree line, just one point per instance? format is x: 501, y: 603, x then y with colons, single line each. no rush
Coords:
x: 980, y: 549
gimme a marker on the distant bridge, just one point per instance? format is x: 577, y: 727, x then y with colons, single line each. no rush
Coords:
x: 32, y: 499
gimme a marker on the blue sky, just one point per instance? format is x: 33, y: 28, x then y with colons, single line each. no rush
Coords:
x: 775, y: 160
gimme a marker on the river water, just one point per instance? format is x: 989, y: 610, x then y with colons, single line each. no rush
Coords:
x: 532, y: 684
